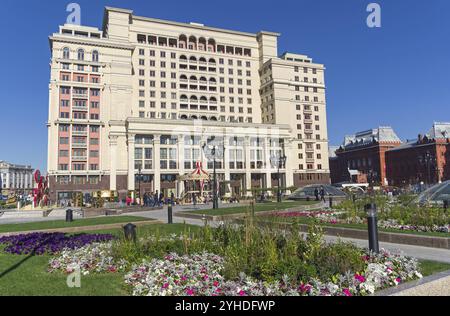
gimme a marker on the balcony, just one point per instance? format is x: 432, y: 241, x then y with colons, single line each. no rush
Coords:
x: 79, y: 145
x: 79, y: 133
x: 80, y: 95
x: 80, y: 108
x: 79, y: 158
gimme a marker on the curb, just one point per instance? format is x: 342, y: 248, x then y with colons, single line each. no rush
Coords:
x: 82, y: 228
x: 395, y: 238
x: 418, y: 284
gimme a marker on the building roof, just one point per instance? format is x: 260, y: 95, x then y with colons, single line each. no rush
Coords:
x: 384, y: 134
x: 191, y: 25
x: 5, y: 164
x: 440, y: 130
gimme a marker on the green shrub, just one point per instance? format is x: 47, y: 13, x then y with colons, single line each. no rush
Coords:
x: 337, y: 258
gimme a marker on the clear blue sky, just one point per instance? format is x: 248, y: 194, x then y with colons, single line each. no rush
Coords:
x: 397, y: 75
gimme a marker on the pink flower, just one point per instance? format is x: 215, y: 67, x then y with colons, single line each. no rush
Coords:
x: 304, y: 288
x: 398, y: 280
x: 205, y: 277
x: 242, y: 293
x: 190, y: 292
x: 165, y: 286
x: 216, y: 283
x: 360, y: 278
x: 347, y: 292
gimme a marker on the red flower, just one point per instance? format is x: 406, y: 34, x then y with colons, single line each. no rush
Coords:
x: 347, y: 292
x: 190, y: 292
x: 242, y: 293
x: 216, y: 283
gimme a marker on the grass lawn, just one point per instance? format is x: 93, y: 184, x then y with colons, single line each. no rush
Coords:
x: 6, y: 228
x: 305, y: 220
x: 431, y: 267
x: 259, y: 207
x: 28, y: 276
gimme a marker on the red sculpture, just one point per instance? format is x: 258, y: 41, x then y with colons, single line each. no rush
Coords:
x: 40, y: 195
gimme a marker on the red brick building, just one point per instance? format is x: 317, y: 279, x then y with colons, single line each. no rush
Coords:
x: 426, y: 159
x: 362, y: 157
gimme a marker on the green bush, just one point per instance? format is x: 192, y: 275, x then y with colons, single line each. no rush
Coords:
x: 337, y: 258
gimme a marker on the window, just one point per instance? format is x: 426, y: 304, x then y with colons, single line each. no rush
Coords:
x: 80, y: 54
x: 66, y: 53
x: 95, y: 56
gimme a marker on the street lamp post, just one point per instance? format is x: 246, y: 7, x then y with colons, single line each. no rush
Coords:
x: 139, y: 181
x: 279, y: 161
x: 212, y: 152
x: 427, y: 160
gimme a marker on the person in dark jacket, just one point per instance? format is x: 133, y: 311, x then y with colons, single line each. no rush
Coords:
x: 316, y: 193
x: 322, y: 194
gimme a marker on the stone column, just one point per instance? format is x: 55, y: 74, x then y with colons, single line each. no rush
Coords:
x: 180, y: 186
x: 113, y: 163
x: 8, y: 179
x: 268, y: 164
x: 248, y: 170
x: 289, y: 164
x: 156, y: 162
x: 131, y: 171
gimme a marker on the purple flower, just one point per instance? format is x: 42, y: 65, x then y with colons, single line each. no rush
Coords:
x: 48, y: 243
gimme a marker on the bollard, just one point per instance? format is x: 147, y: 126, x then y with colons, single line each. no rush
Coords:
x: 170, y: 214
x: 372, y: 224
x: 130, y: 232
x: 204, y: 219
x: 69, y: 216
x: 331, y: 202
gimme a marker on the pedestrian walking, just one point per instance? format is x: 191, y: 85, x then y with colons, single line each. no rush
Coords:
x: 316, y: 193
x: 155, y: 199
x: 322, y: 194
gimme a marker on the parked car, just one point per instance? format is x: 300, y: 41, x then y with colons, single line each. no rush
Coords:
x: 307, y: 192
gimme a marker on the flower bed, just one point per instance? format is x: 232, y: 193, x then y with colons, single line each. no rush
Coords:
x: 200, y: 275
x: 333, y: 217
x: 48, y: 243
x: 95, y: 257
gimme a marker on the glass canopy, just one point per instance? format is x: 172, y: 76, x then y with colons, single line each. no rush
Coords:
x: 437, y: 193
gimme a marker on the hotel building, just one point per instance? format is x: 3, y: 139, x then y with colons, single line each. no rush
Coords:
x: 147, y: 94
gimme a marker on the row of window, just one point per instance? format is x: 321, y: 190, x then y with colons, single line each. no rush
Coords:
x: 65, y: 180
x: 80, y: 54
x: 66, y: 66
x: 78, y: 140
x: 310, y: 167
x: 79, y: 116
x: 80, y: 78
x: 80, y: 103
x: 79, y: 128
x: 83, y: 92
x: 78, y: 167
x: 192, y: 43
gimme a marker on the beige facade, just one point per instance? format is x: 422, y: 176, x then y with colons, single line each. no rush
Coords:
x: 142, y: 79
